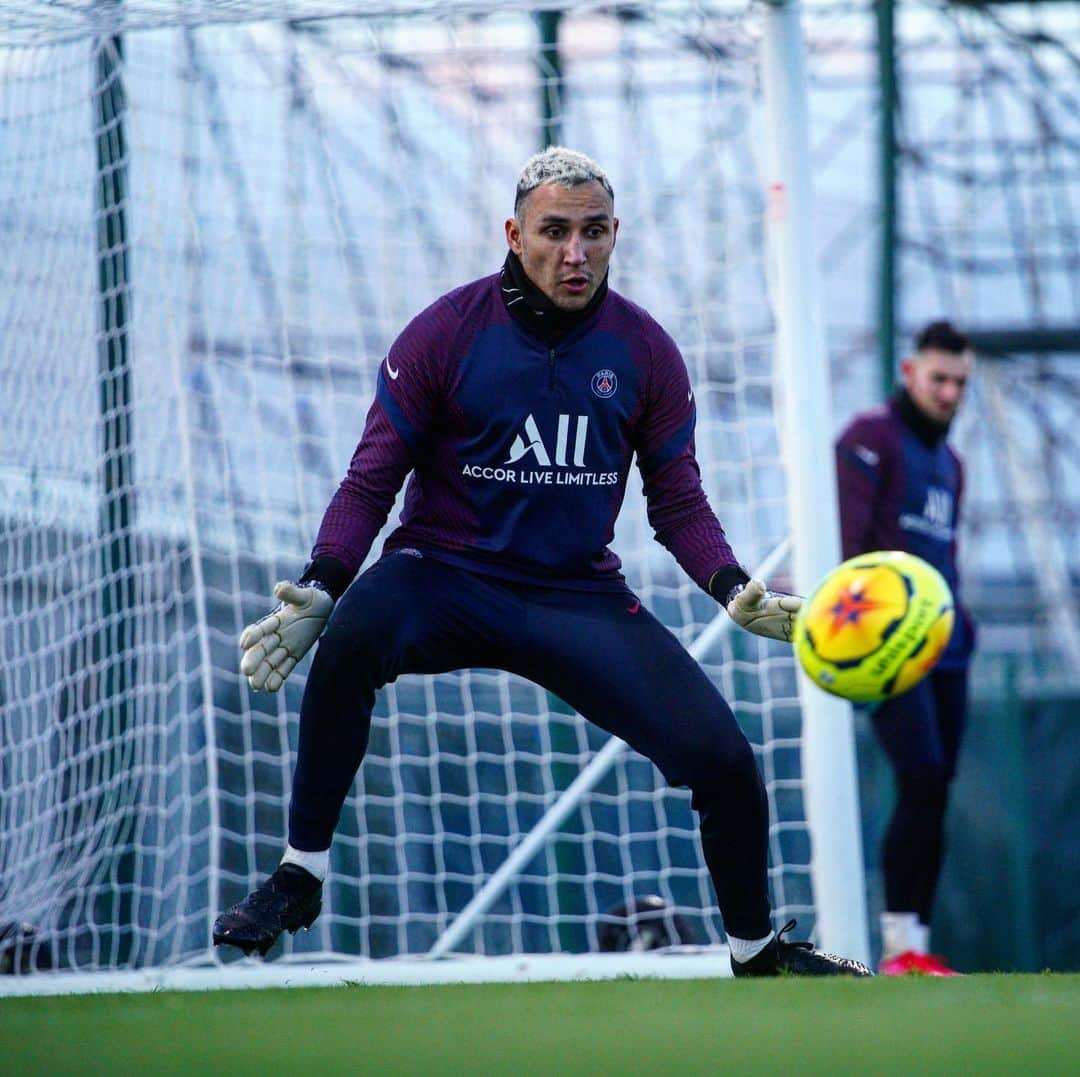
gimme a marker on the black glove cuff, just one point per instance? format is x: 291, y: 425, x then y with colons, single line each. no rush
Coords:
x: 725, y: 580
x: 333, y: 576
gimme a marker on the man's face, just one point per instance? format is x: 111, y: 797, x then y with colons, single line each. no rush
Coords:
x: 936, y: 381
x: 564, y: 237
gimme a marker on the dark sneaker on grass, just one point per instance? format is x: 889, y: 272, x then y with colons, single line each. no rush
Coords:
x: 289, y: 900
x: 782, y: 958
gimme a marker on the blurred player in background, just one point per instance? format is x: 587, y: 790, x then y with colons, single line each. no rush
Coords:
x: 518, y: 403
x: 900, y: 489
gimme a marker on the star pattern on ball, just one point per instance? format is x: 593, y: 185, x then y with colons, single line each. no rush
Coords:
x: 849, y: 606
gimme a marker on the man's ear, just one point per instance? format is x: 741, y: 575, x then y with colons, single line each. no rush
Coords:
x: 513, y: 235
x: 907, y: 368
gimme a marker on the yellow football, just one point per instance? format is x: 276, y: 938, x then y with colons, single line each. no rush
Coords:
x: 874, y: 626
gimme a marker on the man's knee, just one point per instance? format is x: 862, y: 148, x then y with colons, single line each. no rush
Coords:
x: 721, y: 766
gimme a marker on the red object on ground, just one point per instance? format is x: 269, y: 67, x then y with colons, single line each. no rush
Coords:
x: 920, y: 964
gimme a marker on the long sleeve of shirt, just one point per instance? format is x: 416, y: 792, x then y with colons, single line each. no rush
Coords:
x: 679, y: 511
x: 363, y: 500
x: 863, y: 463
x: 393, y: 442
x: 684, y: 522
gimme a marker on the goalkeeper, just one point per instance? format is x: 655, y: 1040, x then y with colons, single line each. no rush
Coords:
x: 518, y: 403
x: 900, y: 486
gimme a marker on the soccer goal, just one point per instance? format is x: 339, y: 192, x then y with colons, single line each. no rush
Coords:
x: 215, y: 220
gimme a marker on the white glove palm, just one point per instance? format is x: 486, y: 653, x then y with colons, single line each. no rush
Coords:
x: 764, y: 612
x: 273, y: 645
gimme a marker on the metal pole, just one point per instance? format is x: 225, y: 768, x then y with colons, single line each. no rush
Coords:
x: 551, y: 85
x: 116, y: 635
x: 887, y: 284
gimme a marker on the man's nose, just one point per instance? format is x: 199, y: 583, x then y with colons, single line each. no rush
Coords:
x: 574, y: 252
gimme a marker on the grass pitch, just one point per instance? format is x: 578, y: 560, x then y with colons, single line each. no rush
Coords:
x: 1004, y: 1024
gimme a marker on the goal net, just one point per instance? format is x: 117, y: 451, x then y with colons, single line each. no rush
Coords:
x: 213, y: 227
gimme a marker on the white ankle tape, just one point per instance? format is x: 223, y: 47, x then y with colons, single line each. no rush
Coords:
x: 318, y: 864
x: 900, y: 932
x: 742, y: 950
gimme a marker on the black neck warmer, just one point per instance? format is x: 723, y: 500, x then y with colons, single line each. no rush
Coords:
x: 534, y: 310
x: 927, y: 430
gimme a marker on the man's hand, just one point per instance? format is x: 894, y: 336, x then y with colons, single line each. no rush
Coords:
x: 274, y: 645
x: 763, y: 612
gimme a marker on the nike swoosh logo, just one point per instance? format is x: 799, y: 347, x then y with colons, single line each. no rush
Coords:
x: 635, y: 607
x: 391, y: 371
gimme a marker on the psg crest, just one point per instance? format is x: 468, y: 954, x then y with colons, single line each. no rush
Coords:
x: 604, y: 383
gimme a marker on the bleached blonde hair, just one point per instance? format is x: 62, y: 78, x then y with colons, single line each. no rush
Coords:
x: 557, y: 164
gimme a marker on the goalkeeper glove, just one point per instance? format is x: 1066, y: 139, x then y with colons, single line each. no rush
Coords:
x: 274, y: 645
x: 765, y: 613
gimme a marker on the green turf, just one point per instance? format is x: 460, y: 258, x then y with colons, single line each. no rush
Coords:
x: 975, y: 1025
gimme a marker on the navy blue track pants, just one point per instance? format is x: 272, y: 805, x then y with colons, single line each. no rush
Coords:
x: 921, y: 732
x: 602, y: 653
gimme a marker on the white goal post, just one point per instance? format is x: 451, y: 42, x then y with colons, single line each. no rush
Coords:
x: 829, y: 765
x: 213, y: 227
